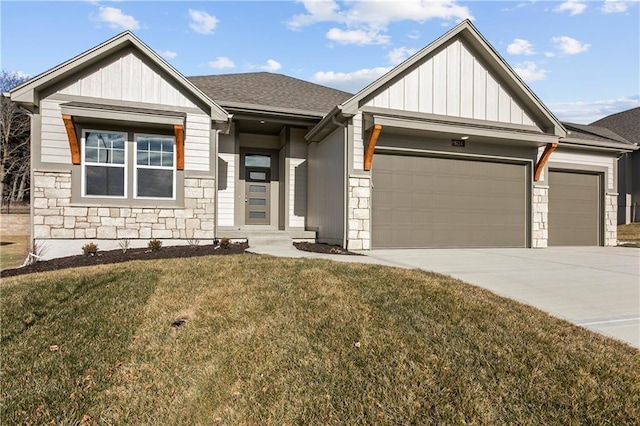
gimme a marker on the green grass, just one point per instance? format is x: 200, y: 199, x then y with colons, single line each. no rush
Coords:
x: 13, y: 250
x: 629, y: 232
x: 284, y: 341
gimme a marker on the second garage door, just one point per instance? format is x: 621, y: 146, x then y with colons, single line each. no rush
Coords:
x: 444, y: 202
x: 574, y: 208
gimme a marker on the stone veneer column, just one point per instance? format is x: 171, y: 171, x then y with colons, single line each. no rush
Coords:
x: 611, y: 220
x: 359, y: 232
x: 55, y: 218
x: 540, y: 212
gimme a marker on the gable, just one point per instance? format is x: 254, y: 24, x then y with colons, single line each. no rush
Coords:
x: 126, y: 77
x: 455, y: 82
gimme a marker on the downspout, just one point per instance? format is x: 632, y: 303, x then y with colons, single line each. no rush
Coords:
x: 215, y: 182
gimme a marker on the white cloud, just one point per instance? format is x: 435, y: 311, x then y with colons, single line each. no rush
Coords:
x: 574, y: 7
x: 202, y: 22
x: 414, y: 35
x: 549, y: 54
x: 520, y: 47
x: 349, y: 81
x: 271, y: 66
x: 221, y: 62
x: 529, y: 71
x: 590, y: 111
x: 116, y: 19
x: 169, y: 54
x: 399, y: 54
x: 570, y: 46
x: 357, y: 37
x: 616, y: 6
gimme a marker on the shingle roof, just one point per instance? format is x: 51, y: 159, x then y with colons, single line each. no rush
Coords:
x: 625, y: 123
x: 593, y: 133
x: 269, y: 90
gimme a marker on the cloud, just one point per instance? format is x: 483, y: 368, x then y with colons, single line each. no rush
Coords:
x: 349, y: 81
x: 529, y: 71
x: 271, y: 66
x: 414, y: 35
x: 574, y: 7
x: 357, y: 37
x: 399, y: 54
x: 520, y: 47
x: 116, y: 19
x: 169, y: 54
x: 588, y: 112
x: 221, y: 62
x: 372, y: 17
x: 570, y: 46
x: 616, y: 6
x: 202, y: 22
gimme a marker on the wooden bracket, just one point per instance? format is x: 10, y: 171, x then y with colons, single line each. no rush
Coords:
x: 73, y: 138
x: 548, y: 150
x: 371, y: 146
x: 178, y: 131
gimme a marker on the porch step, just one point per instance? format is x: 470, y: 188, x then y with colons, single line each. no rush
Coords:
x: 267, y: 238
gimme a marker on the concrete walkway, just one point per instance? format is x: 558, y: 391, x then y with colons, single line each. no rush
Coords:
x: 594, y: 287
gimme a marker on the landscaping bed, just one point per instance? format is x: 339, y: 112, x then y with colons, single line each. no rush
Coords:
x: 323, y: 248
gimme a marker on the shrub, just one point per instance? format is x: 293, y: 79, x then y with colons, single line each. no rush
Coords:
x: 225, y: 243
x: 154, y: 245
x: 124, y: 245
x: 89, y: 249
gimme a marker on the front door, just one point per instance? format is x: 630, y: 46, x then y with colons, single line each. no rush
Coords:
x: 258, y: 189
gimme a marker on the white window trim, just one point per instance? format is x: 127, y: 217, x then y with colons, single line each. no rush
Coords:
x: 84, y: 164
x: 136, y: 166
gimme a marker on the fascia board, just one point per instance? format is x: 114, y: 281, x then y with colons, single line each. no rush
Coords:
x: 601, y: 145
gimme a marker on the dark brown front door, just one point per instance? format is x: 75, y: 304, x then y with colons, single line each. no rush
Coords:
x: 257, y: 189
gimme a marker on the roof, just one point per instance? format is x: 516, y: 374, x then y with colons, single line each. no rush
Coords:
x: 264, y: 90
x: 26, y: 92
x: 625, y: 124
x: 596, y: 137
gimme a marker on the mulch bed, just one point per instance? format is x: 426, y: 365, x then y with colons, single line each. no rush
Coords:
x: 117, y: 256
x: 323, y: 248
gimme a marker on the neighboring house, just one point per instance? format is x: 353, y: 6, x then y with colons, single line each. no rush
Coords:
x: 448, y: 149
x: 627, y: 125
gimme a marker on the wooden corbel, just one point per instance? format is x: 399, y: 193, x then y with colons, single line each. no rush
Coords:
x: 178, y: 130
x: 371, y: 146
x: 73, y: 138
x: 548, y: 150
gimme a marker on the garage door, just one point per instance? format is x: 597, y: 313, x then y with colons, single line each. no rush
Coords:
x: 441, y: 202
x: 574, y: 208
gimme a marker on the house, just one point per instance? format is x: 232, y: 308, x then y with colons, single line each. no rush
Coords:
x: 448, y: 149
x: 627, y: 125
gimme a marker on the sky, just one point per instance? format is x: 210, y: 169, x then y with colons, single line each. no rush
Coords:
x: 580, y: 57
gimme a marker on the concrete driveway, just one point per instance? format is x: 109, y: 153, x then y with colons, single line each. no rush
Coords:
x: 594, y: 287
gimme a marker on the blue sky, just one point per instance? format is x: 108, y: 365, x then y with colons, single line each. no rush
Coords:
x: 581, y: 57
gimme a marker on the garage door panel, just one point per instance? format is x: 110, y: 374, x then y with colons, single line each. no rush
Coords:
x: 574, y: 208
x: 452, y: 203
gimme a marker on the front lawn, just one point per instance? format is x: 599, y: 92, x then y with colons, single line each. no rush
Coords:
x: 629, y: 232
x: 259, y: 340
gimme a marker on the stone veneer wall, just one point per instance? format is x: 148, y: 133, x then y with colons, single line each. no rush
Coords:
x: 359, y: 232
x: 611, y: 220
x: 540, y: 207
x: 55, y: 218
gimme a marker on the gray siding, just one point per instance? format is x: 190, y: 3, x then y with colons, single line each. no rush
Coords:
x: 197, y: 142
x: 53, y: 141
x: 326, y: 188
x: 227, y: 163
x: 455, y: 83
x: 297, y: 179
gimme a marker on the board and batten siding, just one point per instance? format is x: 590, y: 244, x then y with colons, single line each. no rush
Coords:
x: 326, y: 188
x: 54, y: 144
x: 453, y: 82
x: 128, y: 78
x: 226, y: 178
x: 586, y: 159
x: 297, y: 179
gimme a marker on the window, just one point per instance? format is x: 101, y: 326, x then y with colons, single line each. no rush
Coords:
x: 154, y: 167
x: 115, y: 167
x: 104, y: 155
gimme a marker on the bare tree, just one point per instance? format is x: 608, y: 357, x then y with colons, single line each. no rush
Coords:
x: 15, y: 137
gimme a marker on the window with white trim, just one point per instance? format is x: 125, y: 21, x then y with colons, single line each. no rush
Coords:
x: 155, y: 171
x: 104, y: 156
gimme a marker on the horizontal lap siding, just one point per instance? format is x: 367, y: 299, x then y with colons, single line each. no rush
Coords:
x: 53, y: 141
x: 585, y: 159
x: 297, y: 179
x: 197, y: 142
x: 226, y: 179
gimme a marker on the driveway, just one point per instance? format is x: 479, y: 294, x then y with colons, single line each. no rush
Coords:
x: 594, y: 287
